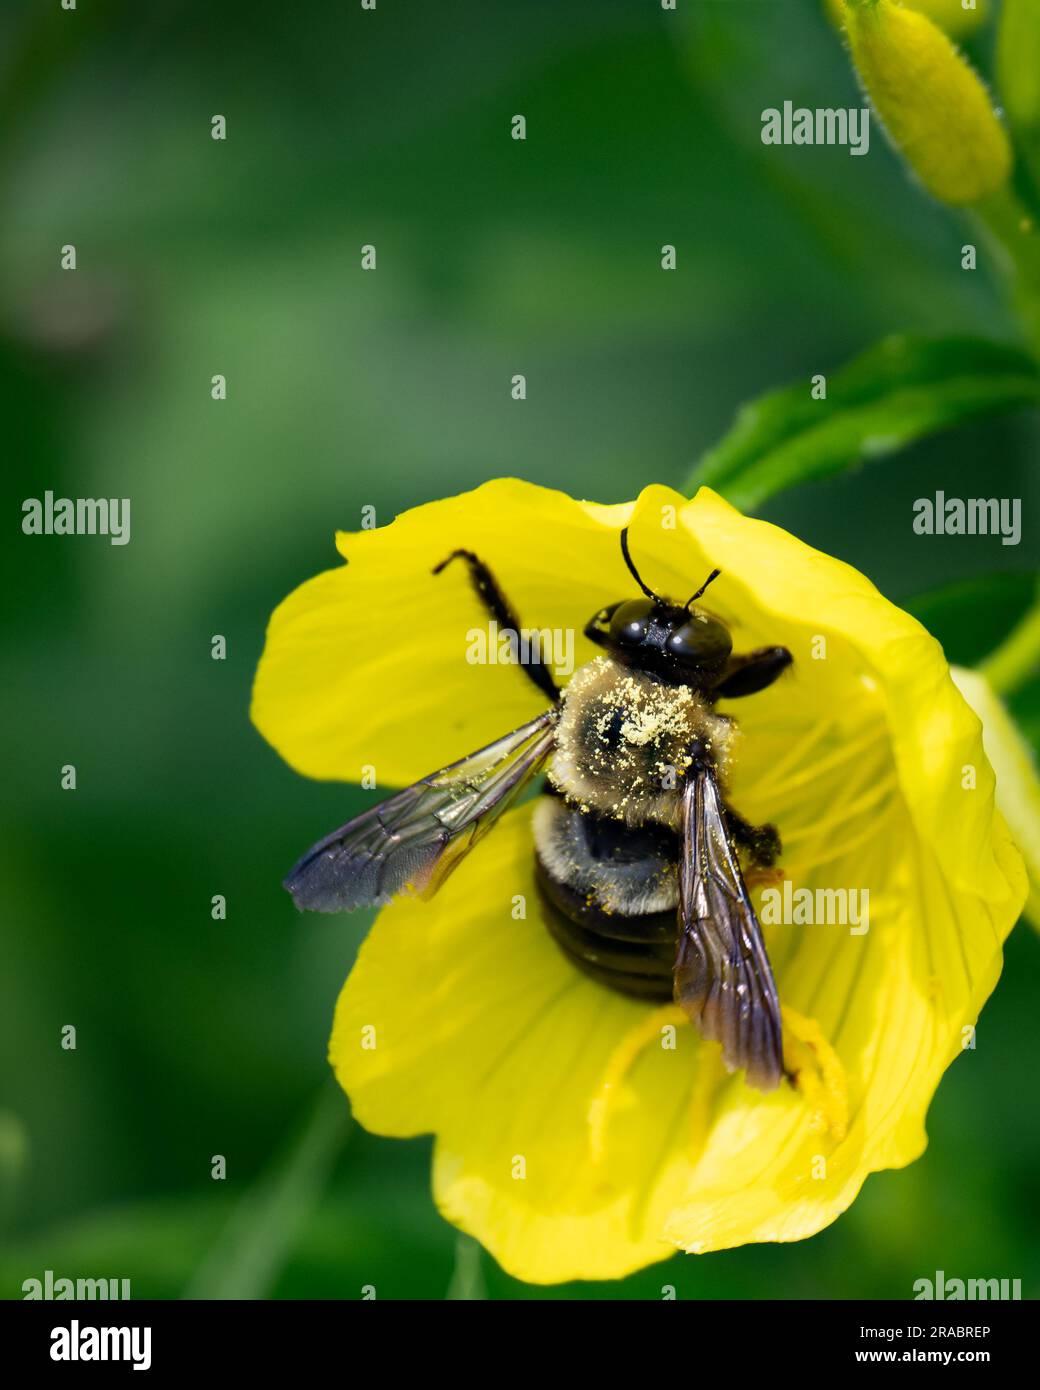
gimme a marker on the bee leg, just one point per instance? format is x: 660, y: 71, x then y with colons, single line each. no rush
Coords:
x: 763, y: 878
x: 497, y: 606
x: 747, y: 675
x: 762, y: 842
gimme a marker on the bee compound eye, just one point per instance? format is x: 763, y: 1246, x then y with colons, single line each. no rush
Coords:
x: 703, y: 641
x: 632, y: 632
x: 630, y: 623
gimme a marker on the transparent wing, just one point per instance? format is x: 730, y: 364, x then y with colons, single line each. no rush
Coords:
x: 414, y: 840
x: 723, y: 978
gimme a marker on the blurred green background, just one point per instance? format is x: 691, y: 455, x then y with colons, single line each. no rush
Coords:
x: 346, y: 388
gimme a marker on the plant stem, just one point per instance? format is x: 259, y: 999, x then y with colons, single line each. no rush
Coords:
x: 265, y: 1225
x: 1018, y: 656
x: 1012, y: 225
x: 467, y: 1281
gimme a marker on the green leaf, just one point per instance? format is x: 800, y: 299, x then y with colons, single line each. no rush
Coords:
x: 971, y: 617
x: 900, y: 391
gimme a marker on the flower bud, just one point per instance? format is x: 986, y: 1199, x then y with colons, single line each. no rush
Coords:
x: 934, y: 106
x: 948, y: 14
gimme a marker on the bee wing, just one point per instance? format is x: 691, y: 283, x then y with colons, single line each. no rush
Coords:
x: 413, y: 840
x: 723, y: 978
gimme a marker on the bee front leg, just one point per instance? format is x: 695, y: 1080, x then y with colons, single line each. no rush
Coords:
x: 747, y: 675
x: 497, y: 606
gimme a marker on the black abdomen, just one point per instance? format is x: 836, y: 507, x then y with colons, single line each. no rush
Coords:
x: 594, y: 876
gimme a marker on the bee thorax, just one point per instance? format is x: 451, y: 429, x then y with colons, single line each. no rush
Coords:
x: 625, y: 739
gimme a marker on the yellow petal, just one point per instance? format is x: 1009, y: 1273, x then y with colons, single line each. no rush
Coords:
x: 896, y: 1004
x: 365, y: 666
x: 486, y: 1036
x: 1018, y: 786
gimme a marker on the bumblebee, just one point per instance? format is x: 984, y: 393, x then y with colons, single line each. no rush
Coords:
x: 637, y: 852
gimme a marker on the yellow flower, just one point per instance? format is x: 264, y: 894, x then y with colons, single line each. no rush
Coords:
x: 572, y: 1138
x: 935, y: 109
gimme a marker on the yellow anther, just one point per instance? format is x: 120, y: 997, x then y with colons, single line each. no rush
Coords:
x: 818, y: 1072
x: 757, y: 877
x: 813, y: 1064
x: 621, y: 1062
x: 711, y: 1073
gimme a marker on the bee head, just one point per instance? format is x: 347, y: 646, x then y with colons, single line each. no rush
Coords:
x: 653, y: 634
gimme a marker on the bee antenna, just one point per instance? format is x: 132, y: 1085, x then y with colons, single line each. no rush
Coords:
x: 633, y: 571
x: 710, y: 579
